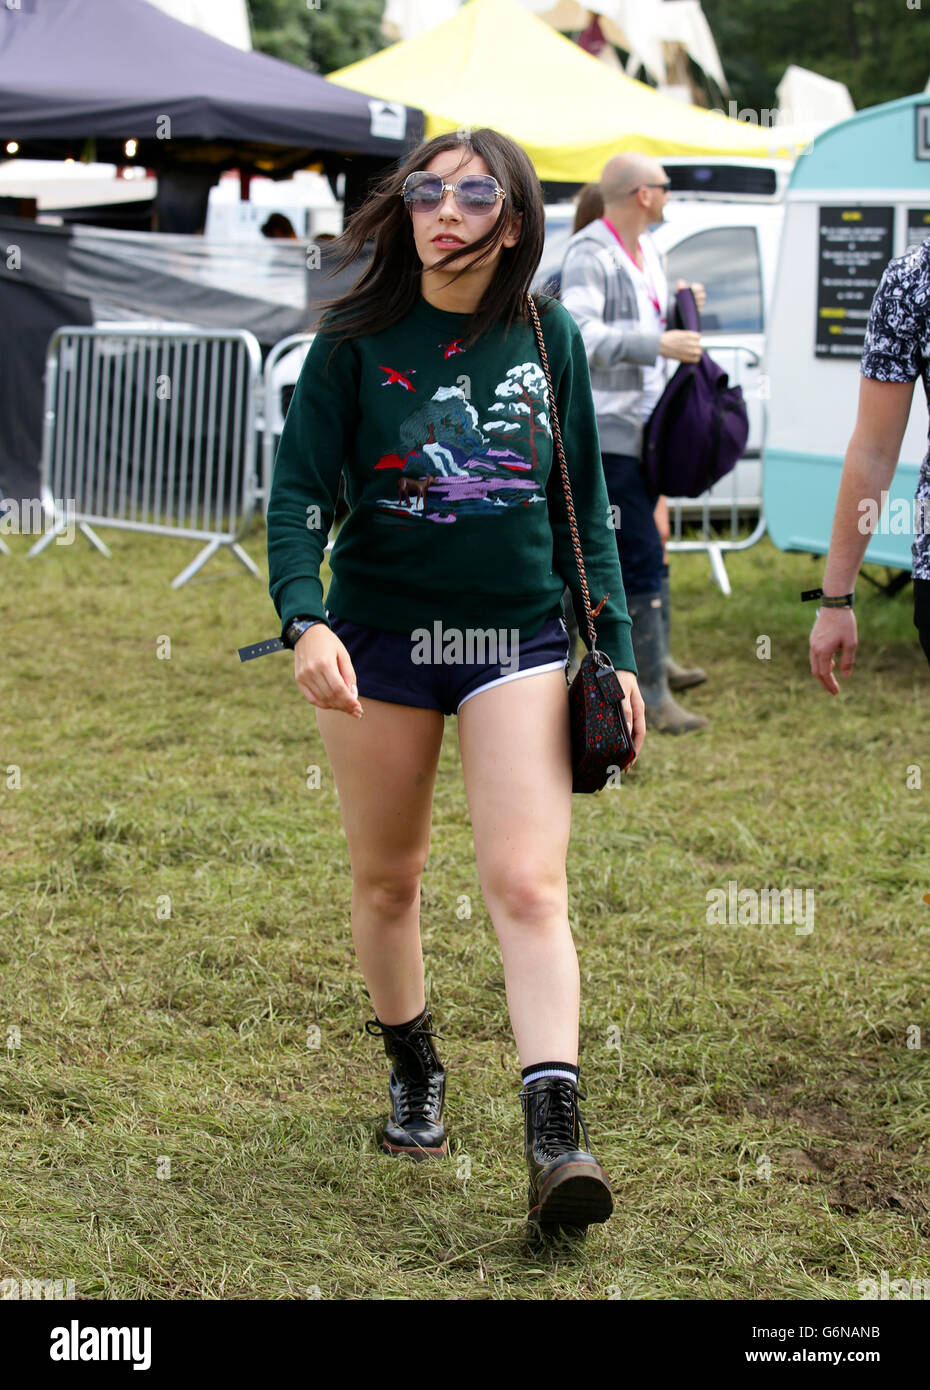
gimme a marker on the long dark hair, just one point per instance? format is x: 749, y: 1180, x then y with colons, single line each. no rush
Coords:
x: 390, y: 286
x: 589, y: 206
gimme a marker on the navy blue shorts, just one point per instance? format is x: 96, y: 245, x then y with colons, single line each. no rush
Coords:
x: 432, y: 675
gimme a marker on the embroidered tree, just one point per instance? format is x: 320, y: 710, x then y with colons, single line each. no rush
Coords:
x: 523, y: 407
x: 446, y: 416
x: 446, y: 419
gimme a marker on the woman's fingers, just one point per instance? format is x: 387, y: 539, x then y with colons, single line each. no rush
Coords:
x: 638, y: 726
x: 324, y: 672
x: 634, y: 710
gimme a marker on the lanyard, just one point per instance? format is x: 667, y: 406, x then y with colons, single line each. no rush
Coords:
x: 650, y: 286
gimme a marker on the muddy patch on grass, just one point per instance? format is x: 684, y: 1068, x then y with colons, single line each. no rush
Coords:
x: 855, y: 1194
x: 820, y: 1117
x: 857, y: 1167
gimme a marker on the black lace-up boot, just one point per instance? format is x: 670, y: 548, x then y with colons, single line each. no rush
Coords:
x: 417, y: 1089
x: 569, y: 1189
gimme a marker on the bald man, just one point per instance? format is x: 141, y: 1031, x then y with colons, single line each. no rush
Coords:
x: 614, y: 286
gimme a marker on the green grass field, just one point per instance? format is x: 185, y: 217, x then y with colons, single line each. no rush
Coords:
x: 175, y: 927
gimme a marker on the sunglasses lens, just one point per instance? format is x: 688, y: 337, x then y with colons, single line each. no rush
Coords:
x: 477, y: 193
x: 474, y: 193
x: 422, y: 190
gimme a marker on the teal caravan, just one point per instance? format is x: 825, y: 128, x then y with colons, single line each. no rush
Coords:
x: 858, y: 196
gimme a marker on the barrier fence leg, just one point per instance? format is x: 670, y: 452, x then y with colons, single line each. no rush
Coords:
x: 95, y: 540
x: 197, y: 563
x: 44, y: 540
x: 715, y: 555
x: 4, y: 548
x: 49, y: 536
x: 246, y: 559
x: 207, y: 553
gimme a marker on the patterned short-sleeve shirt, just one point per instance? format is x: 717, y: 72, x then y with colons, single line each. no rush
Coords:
x: 897, y: 348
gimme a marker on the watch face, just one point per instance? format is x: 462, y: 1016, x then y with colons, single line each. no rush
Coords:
x: 296, y: 629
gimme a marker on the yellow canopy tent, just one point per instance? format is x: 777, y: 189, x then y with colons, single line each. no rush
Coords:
x: 495, y: 64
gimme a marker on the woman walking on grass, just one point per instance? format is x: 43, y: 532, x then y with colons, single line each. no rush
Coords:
x: 424, y: 383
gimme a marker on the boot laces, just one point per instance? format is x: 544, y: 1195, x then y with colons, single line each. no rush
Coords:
x: 555, y: 1110
x: 419, y: 1096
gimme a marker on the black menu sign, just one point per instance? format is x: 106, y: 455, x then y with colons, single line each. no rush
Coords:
x: 855, y: 247
x: 918, y: 226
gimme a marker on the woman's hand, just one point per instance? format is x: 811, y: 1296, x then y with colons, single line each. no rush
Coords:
x: 324, y: 672
x: 834, y: 631
x: 634, y: 711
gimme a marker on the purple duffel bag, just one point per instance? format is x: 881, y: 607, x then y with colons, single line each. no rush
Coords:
x: 698, y: 430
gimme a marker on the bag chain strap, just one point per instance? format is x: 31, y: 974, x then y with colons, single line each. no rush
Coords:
x: 590, y: 613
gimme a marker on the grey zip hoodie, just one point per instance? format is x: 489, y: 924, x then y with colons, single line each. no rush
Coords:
x: 598, y: 292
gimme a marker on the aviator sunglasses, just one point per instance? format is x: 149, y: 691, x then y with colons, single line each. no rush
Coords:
x: 475, y: 193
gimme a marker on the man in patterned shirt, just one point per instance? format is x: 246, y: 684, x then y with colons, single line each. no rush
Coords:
x: 896, y: 352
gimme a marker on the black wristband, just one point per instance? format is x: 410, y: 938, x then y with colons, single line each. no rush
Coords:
x: 295, y: 629
x: 828, y: 601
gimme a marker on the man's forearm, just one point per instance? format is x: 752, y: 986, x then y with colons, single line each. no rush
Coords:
x: 608, y: 344
x: 866, y: 475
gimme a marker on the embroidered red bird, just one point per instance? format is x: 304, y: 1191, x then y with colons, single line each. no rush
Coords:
x: 450, y: 349
x: 400, y: 378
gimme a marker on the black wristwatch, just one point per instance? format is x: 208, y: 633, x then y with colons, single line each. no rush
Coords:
x: 296, y: 629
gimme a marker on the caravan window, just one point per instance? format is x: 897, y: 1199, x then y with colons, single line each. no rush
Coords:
x: 726, y: 262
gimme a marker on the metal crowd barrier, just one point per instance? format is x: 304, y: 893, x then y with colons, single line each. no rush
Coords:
x: 156, y: 429
x: 276, y: 383
x: 152, y: 429
x: 731, y: 496
x: 274, y: 406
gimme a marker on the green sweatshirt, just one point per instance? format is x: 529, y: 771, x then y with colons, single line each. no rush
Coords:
x: 457, y: 511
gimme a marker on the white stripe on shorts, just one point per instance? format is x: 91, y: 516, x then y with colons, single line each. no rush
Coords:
x: 514, y: 676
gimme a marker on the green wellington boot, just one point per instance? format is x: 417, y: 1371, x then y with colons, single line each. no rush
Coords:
x: 679, y: 677
x: 663, y: 713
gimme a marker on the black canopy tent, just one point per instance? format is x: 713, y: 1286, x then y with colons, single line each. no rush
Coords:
x: 78, y: 78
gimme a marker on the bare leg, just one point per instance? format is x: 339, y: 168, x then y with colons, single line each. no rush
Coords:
x: 385, y: 768
x: 516, y: 756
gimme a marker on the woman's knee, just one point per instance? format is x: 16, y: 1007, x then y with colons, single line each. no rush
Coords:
x: 391, y: 891
x: 530, y: 897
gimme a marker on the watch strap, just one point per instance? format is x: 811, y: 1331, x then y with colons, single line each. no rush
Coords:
x: 276, y: 644
x: 829, y: 600
x: 273, y: 644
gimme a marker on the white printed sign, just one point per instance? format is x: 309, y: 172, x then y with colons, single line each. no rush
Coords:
x: 388, y: 119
